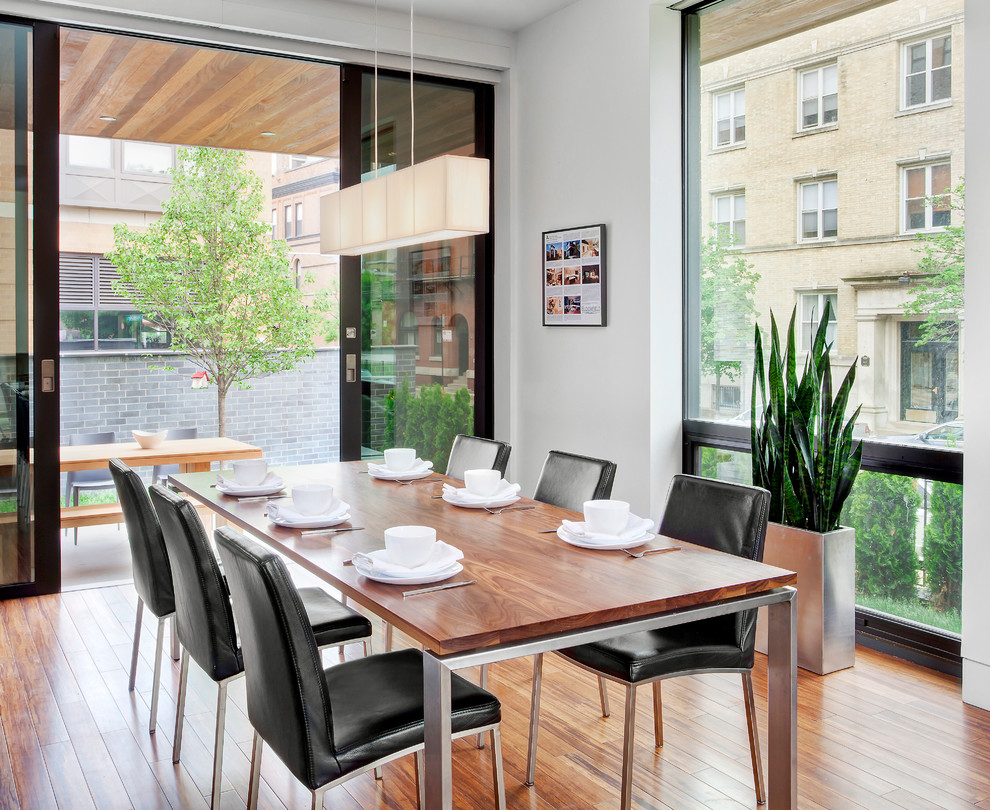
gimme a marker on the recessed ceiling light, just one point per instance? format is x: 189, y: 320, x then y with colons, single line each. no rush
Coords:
x: 268, y: 134
x: 108, y: 118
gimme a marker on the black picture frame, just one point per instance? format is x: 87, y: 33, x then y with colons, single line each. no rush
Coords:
x: 574, y: 258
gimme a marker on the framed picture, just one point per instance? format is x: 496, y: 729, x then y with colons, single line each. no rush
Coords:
x: 574, y: 277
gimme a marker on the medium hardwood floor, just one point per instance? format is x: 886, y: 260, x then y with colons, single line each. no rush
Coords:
x: 885, y: 734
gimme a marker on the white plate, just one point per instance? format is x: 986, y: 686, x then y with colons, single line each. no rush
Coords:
x: 400, y: 476
x: 423, y: 579
x: 605, y: 545
x: 315, y: 522
x: 250, y: 492
x: 495, y: 503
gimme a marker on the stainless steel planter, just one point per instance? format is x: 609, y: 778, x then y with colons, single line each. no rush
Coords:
x: 826, y: 594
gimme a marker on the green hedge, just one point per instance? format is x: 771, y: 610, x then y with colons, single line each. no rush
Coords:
x: 427, y: 420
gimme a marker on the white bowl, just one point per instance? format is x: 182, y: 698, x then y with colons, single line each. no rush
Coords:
x: 482, y: 482
x: 606, y: 517
x: 149, y: 439
x: 400, y: 459
x: 312, y: 499
x: 410, y: 545
x: 250, y: 471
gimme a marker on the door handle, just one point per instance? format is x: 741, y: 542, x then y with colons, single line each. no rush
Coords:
x: 47, y: 376
x: 350, y: 368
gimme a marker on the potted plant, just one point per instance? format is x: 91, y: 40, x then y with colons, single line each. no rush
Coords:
x: 805, y: 455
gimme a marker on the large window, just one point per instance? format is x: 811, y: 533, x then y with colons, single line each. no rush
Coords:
x: 819, y: 96
x: 730, y: 217
x: 927, y: 71
x: 89, y: 153
x: 147, y: 158
x: 730, y: 118
x: 819, y: 210
x: 812, y: 308
x: 926, y: 197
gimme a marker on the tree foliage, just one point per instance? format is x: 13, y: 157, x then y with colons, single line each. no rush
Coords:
x: 939, y: 294
x: 883, y: 509
x: 942, y: 548
x: 209, y: 272
x: 427, y: 420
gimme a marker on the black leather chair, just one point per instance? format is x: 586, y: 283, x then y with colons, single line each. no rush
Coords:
x: 475, y: 453
x: 87, y: 479
x: 206, y: 622
x: 152, y: 573
x: 328, y: 725
x: 718, y: 515
x: 568, y: 480
x: 162, y: 471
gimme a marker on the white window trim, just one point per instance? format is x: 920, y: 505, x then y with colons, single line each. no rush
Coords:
x: 820, y: 181
x: 927, y: 166
x: 819, y: 69
x: 733, y: 196
x: 288, y: 217
x: 733, y: 143
x: 905, y: 63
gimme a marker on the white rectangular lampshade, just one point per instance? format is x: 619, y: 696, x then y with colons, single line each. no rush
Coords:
x: 442, y: 198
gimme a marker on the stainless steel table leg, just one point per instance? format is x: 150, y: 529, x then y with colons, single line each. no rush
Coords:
x: 436, y: 697
x: 782, y: 700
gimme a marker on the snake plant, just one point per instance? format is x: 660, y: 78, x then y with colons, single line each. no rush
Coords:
x: 803, y: 453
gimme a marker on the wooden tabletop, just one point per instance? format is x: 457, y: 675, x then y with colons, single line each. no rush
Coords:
x: 528, y: 584
x: 190, y: 452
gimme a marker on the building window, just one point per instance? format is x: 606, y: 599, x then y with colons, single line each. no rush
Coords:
x: 926, y: 197
x: 730, y: 218
x: 730, y: 118
x: 147, y: 158
x: 812, y: 306
x: 927, y: 71
x: 819, y: 210
x: 819, y: 96
x: 299, y: 219
x: 298, y: 161
x: 90, y: 153
x: 288, y: 221
x: 274, y: 223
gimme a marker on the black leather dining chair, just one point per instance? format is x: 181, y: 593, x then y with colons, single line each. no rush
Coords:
x: 152, y: 573
x: 329, y: 725
x: 726, y: 517
x: 568, y: 480
x: 206, y: 622
x: 91, y: 480
x: 162, y: 471
x: 475, y: 453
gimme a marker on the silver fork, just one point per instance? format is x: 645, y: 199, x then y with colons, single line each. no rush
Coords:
x: 639, y: 554
x: 419, y: 481
x: 507, y: 509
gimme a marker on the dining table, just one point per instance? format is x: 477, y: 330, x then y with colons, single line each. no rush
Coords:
x: 531, y: 593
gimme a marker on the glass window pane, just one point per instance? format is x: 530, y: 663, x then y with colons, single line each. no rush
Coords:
x: 941, y: 83
x: 833, y: 300
x: 723, y: 106
x: 92, y: 153
x: 830, y: 194
x: 722, y: 132
x: 830, y: 223
x: 809, y: 228
x: 740, y: 212
x: 809, y: 113
x: 809, y: 84
x: 916, y: 89
x: 809, y: 196
x: 830, y: 80
x: 722, y: 213
x: 941, y: 179
x: 830, y: 109
x: 739, y: 102
x: 740, y: 133
x: 941, y: 53
x: 917, y: 57
x: 916, y: 182
x: 739, y: 229
x: 149, y: 158
x: 74, y: 326
x: 809, y: 308
x: 915, y: 214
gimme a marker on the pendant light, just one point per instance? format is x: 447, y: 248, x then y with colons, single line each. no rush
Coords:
x: 445, y: 197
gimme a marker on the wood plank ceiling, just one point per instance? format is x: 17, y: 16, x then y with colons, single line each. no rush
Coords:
x: 172, y: 93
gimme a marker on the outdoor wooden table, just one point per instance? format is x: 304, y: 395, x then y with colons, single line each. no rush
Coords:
x: 533, y: 593
x: 190, y: 454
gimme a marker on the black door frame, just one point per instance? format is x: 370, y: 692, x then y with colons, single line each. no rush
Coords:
x: 351, y: 77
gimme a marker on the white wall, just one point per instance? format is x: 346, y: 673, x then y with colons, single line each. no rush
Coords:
x: 579, y: 153
x: 976, y: 505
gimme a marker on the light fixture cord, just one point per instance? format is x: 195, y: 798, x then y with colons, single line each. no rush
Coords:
x: 376, y: 88
x: 412, y: 97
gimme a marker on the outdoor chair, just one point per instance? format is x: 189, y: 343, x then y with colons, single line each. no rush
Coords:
x: 89, y: 480
x: 162, y: 471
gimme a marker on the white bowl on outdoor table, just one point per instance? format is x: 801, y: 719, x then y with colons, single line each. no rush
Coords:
x: 149, y: 439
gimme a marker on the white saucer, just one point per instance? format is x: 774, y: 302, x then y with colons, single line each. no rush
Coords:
x: 250, y: 492
x: 492, y: 504
x: 401, y: 476
x: 314, y: 522
x: 604, y: 545
x: 422, y: 579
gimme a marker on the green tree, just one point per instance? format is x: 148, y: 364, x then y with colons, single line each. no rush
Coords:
x: 942, y: 547
x: 209, y: 272
x: 883, y: 509
x: 939, y: 293
x: 427, y: 420
x: 728, y: 285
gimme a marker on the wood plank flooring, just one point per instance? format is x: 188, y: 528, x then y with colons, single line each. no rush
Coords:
x: 885, y: 734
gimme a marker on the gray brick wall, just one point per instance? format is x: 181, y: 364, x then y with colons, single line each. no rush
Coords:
x: 294, y: 417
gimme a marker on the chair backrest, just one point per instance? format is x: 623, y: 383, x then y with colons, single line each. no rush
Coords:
x: 88, y: 476
x: 722, y: 516
x: 203, y: 614
x: 149, y: 557
x: 80, y: 439
x: 568, y: 480
x: 287, y: 697
x: 475, y: 453
x: 182, y: 433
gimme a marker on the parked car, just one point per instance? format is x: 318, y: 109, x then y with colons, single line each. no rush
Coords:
x: 949, y: 434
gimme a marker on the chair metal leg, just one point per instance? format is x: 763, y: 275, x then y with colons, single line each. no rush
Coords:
x: 180, y: 707
x: 218, y: 745
x: 420, y: 781
x: 175, y: 638
x: 657, y: 715
x: 534, y: 719
x: 603, y: 692
x: 754, y: 738
x: 483, y: 683
x: 159, y: 644
x: 498, y: 774
x: 254, y: 781
x: 628, y: 747
x: 75, y: 531
x: 318, y: 797
x: 388, y: 636
x: 137, y: 645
